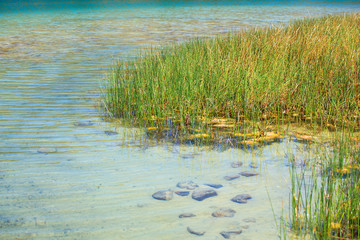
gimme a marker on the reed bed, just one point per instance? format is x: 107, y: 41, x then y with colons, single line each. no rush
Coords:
x: 308, y: 70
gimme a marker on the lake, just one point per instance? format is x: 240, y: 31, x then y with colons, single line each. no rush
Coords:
x: 65, y: 173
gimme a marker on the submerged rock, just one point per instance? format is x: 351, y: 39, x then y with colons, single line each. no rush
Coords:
x: 182, y: 193
x: 230, y: 234
x: 47, y: 150
x: 245, y: 226
x: 231, y: 177
x: 189, y: 185
x: 214, y: 185
x: 164, y: 195
x: 248, y: 174
x: 188, y: 156
x: 198, y: 233
x: 224, y: 212
x: 241, y: 198
x: 187, y: 215
x: 201, y: 194
x: 236, y: 164
x: 249, y: 220
x: 110, y: 133
x: 84, y: 124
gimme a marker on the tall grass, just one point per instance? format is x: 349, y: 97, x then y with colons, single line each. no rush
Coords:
x: 325, y: 199
x: 308, y: 70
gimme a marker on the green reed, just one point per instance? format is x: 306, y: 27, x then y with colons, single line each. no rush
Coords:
x: 325, y: 195
x: 308, y: 69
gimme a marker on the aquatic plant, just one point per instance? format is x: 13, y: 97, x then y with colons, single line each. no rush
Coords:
x: 325, y: 195
x: 307, y: 71
x: 240, y: 84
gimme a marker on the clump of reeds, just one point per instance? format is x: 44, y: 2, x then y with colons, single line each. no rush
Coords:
x: 308, y: 70
x: 325, y: 199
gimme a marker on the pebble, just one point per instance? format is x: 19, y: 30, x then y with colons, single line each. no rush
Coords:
x: 188, y: 156
x: 224, y: 212
x: 230, y: 234
x: 248, y: 174
x: 84, y: 124
x: 241, y: 198
x: 245, y: 226
x: 217, y: 186
x: 201, y: 194
x: 47, y: 150
x: 110, y: 133
x: 249, y: 220
x: 189, y: 185
x: 187, y: 215
x: 164, y: 195
x: 182, y: 193
x: 231, y: 177
x: 236, y: 164
x: 195, y: 232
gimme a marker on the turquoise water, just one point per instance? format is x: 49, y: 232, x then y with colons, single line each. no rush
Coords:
x: 53, y: 56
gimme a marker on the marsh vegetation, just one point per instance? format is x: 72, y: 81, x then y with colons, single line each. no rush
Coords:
x: 248, y: 88
x: 307, y: 70
x: 324, y: 199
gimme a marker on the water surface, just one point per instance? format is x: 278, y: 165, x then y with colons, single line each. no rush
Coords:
x: 53, y: 56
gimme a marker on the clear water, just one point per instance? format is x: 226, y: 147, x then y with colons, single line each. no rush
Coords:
x: 53, y: 56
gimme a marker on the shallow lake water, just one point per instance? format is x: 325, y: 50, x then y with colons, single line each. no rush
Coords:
x: 53, y: 57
